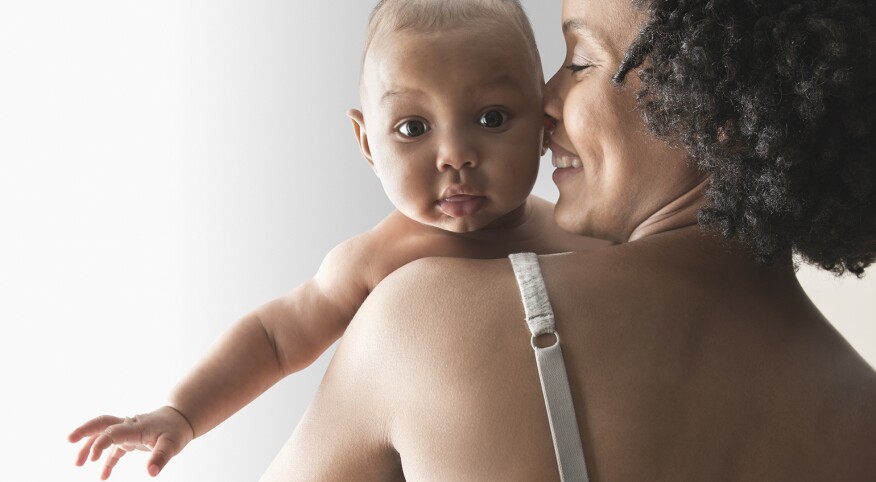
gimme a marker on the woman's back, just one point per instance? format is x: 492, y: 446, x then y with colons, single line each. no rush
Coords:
x: 690, y: 364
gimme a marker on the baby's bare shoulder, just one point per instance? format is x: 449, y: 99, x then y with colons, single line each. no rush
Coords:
x: 399, y: 240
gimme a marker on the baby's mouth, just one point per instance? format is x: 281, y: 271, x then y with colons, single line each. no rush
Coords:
x: 461, y: 205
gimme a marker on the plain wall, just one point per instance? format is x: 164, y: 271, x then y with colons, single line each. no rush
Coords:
x: 166, y: 167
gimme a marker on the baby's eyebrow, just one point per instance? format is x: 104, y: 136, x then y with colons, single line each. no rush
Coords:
x: 391, y: 94
x: 495, y: 82
x: 503, y: 80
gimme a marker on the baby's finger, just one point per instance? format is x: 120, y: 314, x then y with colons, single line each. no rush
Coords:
x: 93, y: 426
x: 111, y: 462
x: 164, y: 450
x: 83, y: 452
x: 119, y: 434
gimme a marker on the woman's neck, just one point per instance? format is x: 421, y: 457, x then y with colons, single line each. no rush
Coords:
x: 680, y: 213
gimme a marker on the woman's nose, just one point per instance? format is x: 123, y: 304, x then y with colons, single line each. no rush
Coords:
x: 553, y: 100
x: 456, y: 152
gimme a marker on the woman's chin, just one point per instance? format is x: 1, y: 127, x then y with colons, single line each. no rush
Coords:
x: 568, y: 218
x: 573, y: 218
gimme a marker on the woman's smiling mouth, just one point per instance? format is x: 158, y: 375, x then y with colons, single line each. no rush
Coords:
x: 563, y: 159
x: 567, y: 164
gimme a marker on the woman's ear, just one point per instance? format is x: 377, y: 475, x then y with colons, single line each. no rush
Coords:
x: 358, y: 119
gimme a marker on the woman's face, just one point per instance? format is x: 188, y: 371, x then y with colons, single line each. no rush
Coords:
x: 612, y: 175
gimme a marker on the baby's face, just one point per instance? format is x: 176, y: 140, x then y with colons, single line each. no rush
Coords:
x: 453, y: 124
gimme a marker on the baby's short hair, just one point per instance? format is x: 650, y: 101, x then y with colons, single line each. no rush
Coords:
x: 431, y: 15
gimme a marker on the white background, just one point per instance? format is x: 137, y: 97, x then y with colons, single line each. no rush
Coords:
x: 165, y: 167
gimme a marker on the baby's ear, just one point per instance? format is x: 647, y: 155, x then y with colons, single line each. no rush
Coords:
x: 358, y: 119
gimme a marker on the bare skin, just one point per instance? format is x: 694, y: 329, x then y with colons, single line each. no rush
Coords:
x: 687, y: 359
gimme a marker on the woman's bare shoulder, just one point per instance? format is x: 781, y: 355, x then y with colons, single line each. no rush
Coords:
x: 452, y: 283
x: 457, y: 287
x: 427, y: 308
x: 452, y: 342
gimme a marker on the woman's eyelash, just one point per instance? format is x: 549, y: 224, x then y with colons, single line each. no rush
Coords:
x: 576, y: 67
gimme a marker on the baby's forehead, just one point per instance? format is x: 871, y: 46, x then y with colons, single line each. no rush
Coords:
x: 481, y: 58
x: 497, y: 32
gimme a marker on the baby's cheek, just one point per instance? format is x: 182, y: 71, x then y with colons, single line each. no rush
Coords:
x: 414, y: 191
x: 393, y: 187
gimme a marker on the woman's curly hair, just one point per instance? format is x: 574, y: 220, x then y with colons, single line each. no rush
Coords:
x: 774, y: 98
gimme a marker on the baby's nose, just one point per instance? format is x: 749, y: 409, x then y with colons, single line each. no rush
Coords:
x: 456, y: 153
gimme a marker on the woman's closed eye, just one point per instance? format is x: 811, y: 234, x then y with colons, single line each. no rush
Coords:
x: 575, y: 68
x: 413, y: 128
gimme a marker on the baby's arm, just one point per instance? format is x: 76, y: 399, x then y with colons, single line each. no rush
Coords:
x: 279, y: 338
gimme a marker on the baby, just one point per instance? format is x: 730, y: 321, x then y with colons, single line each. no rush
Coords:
x: 452, y: 125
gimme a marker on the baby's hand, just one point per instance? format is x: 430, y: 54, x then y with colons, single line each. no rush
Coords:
x: 164, y: 432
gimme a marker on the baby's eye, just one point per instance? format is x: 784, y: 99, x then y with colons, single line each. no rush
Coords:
x: 493, y: 119
x: 413, y: 128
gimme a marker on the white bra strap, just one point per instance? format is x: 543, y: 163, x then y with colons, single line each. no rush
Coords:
x: 551, y: 369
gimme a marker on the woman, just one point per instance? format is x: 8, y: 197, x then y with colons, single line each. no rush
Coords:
x: 692, y: 351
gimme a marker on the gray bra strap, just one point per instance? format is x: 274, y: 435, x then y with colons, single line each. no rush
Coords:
x: 551, y: 369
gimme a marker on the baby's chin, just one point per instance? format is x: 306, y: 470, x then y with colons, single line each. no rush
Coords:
x: 459, y: 225
x: 454, y: 225
x: 486, y: 218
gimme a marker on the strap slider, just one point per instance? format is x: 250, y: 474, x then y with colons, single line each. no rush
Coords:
x: 544, y: 340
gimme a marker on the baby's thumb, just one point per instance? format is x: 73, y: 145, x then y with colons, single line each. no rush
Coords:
x: 165, y: 449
